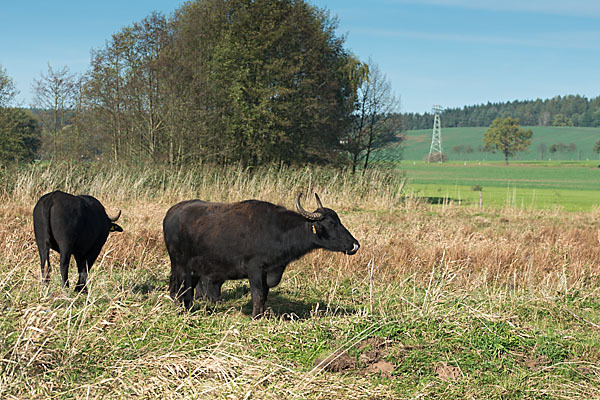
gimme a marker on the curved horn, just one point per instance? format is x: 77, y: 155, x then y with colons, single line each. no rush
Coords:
x: 113, y: 219
x: 314, y: 216
x: 319, y: 205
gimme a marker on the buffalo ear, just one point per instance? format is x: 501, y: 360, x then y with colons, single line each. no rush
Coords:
x: 115, y: 228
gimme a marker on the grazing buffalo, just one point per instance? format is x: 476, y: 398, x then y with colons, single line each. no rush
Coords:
x: 76, y: 225
x: 209, y: 243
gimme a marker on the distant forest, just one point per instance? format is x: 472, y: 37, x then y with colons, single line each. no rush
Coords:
x: 559, y: 111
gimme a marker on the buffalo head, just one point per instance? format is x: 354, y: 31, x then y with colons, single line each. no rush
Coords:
x: 327, y: 228
x: 114, y: 227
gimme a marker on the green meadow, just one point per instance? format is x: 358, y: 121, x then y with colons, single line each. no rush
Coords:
x: 419, y: 141
x: 572, y: 186
x: 535, y: 179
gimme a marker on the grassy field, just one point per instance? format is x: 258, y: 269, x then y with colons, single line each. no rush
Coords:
x: 442, y: 301
x: 419, y: 141
x: 572, y: 186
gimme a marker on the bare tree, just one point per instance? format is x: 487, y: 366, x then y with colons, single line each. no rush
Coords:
x: 542, y: 147
x: 105, y: 98
x: 374, y: 126
x: 54, y: 97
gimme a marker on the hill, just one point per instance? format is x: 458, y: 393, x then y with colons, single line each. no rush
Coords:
x: 571, y: 110
x: 456, y: 142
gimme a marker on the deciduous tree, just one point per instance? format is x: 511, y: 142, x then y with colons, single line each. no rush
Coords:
x: 596, y: 148
x: 7, y: 89
x: 19, y: 135
x: 507, y: 137
x: 54, y: 97
x: 374, y: 125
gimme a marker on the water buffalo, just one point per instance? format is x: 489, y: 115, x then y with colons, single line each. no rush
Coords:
x: 209, y: 243
x: 76, y: 225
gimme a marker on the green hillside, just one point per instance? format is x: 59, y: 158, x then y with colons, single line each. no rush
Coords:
x: 419, y: 141
x: 571, y: 185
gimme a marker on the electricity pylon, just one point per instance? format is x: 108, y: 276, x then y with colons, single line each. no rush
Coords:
x: 436, y: 137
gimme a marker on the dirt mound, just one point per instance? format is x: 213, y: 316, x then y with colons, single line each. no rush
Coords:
x: 336, y: 362
x: 370, y: 359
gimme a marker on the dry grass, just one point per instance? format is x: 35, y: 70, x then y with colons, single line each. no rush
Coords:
x: 420, y: 264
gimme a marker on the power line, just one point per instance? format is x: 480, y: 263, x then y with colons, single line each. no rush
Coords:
x: 436, y: 137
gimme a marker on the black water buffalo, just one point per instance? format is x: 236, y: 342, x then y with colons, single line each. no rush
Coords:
x: 209, y: 243
x: 76, y: 225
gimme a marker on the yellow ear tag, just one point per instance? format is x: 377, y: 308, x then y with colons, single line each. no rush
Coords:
x: 314, y: 230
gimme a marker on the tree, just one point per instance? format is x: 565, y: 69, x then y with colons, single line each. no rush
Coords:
x: 542, y: 147
x: 283, y: 92
x: 596, y: 148
x: 374, y: 125
x: 19, y: 131
x: 225, y: 81
x: 54, y: 97
x: 507, y: 137
x: 104, y: 91
x: 562, y: 120
x: 7, y: 89
x: 19, y: 135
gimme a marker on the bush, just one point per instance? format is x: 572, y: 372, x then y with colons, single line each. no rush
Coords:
x: 436, y: 157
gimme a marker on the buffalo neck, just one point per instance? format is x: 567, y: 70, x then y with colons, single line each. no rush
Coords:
x: 297, y: 239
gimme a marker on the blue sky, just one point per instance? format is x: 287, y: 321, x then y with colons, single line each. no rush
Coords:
x: 447, y: 52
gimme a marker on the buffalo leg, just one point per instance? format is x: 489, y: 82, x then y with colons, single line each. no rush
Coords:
x: 82, y: 269
x: 65, y: 258
x: 208, y: 289
x: 259, y: 291
x: 201, y: 289
x: 45, y: 262
x: 213, y: 290
x: 189, y: 283
x: 175, y: 282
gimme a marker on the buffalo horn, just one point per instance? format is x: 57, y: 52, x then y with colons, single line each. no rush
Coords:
x: 116, y: 217
x: 319, y: 205
x: 314, y: 216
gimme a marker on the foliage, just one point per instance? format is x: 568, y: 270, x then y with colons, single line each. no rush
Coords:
x: 562, y: 120
x: 7, y: 89
x: 562, y: 148
x: 571, y: 110
x: 244, y: 81
x: 436, y: 158
x: 506, y: 136
x: 596, y: 147
x: 19, y: 135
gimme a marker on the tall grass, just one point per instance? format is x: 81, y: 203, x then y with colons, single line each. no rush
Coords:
x: 164, y: 184
x: 467, y: 302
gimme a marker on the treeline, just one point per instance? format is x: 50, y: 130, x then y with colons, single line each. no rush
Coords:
x: 240, y: 81
x: 558, y: 111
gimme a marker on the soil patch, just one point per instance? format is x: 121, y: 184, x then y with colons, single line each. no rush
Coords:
x: 336, y: 362
x: 370, y: 359
x: 447, y: 372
